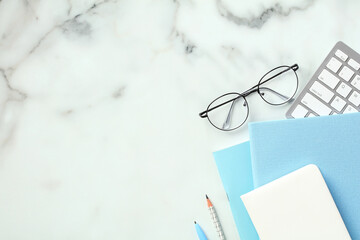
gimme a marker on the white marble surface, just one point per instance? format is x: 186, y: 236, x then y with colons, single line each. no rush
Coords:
x: 99, y: 100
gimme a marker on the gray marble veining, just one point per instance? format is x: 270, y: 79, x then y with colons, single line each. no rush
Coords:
x: 100, y: 136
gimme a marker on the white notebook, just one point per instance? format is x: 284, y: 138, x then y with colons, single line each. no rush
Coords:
x: 297, y: 206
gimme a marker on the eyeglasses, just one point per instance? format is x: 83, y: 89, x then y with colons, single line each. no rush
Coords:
x: 230, y: 111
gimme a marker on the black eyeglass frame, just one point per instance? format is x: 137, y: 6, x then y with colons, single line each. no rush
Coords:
x: 251, y: 90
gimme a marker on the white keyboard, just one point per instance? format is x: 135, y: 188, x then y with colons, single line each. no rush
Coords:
x: 334, y: 88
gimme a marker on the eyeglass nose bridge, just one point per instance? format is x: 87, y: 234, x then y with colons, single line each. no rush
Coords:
x: 204, y: 114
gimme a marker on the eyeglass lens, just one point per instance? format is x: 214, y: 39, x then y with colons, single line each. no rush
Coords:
x: 279, y: 89
x: 231, y: 115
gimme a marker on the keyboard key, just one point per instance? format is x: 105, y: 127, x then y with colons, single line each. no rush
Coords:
x: 321, y: 91
x: 328, y: 78
x: 299, y: 112
x: 346, y: 73
x: 350, y: 109
x: 340, y: 54
x: 338, y: 103
x: 315, y: 105
x: 344, y: 89
x: 334, y: 65
x: 356, y: 82
x: 354, y: 64
x: 355, y: 98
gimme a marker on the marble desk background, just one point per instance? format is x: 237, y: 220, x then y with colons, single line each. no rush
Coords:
x: 99, y: 130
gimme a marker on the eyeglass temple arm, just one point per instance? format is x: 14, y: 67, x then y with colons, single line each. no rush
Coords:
x: 226, y: 124
x: 244, y: 94
x: 294, y: 67
x: 228, y: 117
x: 265, y: 88
x: 275, y: 92
x: 204, y: 113
x: 253, y: 89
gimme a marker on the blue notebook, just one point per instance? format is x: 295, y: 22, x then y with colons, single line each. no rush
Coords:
x: 331, y: 142
x: 234, y: 166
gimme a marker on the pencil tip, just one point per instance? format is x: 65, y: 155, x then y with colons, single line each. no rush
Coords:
x: 195, y: 222
x: 206, y: 196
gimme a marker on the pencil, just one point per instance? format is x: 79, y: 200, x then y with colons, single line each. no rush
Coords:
x: 200, y: 232
x: 215, y: 219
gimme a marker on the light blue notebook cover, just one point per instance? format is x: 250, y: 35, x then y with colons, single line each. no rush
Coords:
x: 234, y: 166
x: 331, y: 142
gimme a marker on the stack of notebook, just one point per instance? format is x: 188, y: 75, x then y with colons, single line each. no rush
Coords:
x: 295, y: 179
